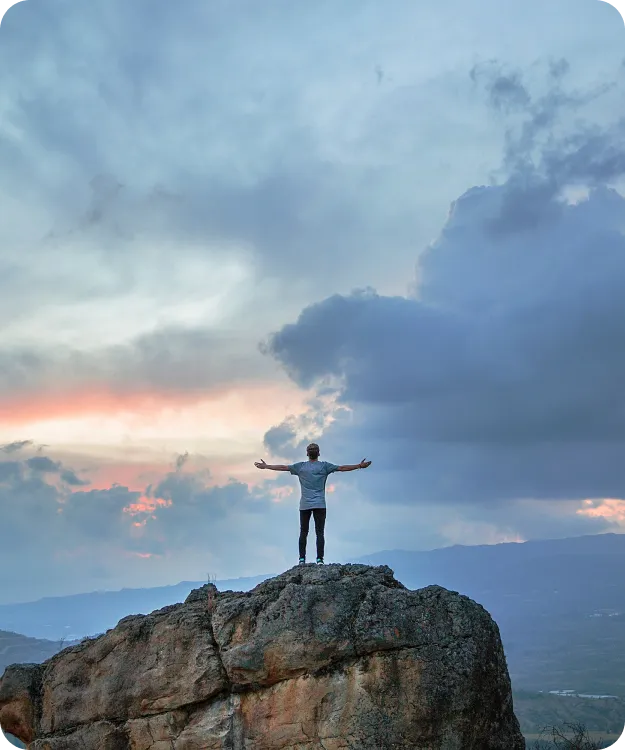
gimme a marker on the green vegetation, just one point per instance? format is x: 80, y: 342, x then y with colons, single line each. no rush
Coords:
x: 573, y: 736
x: 538, y: 710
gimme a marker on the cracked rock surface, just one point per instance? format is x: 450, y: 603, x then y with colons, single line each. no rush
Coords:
x: 340, y: 657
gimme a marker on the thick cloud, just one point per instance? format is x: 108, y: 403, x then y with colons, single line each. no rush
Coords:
x: 43, y: 464
x: 37, y: 464
x: 171, y: 360
x: 500, y: 380
x: 148, y: 189
x: 145, y: 150
x: 199, y: 148
x: 79, y: 536
x: 16, y: 445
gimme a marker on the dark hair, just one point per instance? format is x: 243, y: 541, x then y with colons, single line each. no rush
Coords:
x: 313, y: 450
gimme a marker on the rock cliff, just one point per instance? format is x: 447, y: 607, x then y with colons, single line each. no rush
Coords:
x: 318, y: 658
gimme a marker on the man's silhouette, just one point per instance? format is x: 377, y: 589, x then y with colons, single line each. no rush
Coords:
x: 312, y: 478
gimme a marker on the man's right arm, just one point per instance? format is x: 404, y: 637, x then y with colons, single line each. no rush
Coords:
x: 275, y: 467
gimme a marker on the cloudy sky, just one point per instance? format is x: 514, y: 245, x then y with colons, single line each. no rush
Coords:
x: 227, y: 230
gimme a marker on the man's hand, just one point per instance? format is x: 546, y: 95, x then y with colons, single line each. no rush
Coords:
x: 364, y: 463
x: 261, y: 464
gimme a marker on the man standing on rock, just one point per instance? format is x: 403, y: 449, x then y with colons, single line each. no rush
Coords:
x: 312, y: 478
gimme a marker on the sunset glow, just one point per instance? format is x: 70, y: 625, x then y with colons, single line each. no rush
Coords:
x: 610, y: 508
x: 146, y: 505
x: 214, y: 256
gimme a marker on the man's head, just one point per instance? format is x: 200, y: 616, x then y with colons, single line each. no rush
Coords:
x: 312, y: 451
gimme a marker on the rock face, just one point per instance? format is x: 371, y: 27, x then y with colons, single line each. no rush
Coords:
x: 318, y: 658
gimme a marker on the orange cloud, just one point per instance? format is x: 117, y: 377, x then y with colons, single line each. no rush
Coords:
x: 146, y: 505
x: 134, y: 475
x: 460, y: 531
x: 47, y: 405
x: 610, y: 508
x: 132, y: 439
x: 258, y: 401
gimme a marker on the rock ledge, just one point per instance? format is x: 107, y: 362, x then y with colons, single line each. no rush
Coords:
x: 317, y: 658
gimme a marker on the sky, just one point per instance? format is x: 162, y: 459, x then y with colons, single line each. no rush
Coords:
x: 396, y: 229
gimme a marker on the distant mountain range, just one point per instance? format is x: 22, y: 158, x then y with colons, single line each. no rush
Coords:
x: 79, y: 615
x: 559, y: 604
x: 16, y: 649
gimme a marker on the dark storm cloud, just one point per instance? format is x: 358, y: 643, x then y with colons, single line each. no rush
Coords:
x: 10, y: 470
x: 502, y: 378
x: 182, y: 460
x: 43, y: 464
x: 526, y: 368
x: 505, y: 89
x: 280, y: 440
x: 16, y: 445
x: 540, y: 112
x: 28, y: 506
x: 98, y: 514
x: 69, y: 477
x: 541, y: 157
x: 52, y: 527
x: 40, y: 465
x: 192, y: 501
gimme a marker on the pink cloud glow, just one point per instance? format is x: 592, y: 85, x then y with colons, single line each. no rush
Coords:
x: 610, y: 508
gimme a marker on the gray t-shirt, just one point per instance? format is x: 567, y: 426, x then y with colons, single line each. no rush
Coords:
x: 312, y: 478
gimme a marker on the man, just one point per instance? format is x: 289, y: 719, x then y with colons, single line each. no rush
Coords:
x: 312, y: 478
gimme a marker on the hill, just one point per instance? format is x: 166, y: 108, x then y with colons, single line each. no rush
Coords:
x: 16, y: 648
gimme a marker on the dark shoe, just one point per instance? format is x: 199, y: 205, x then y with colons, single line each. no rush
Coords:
x: 320, y: 561
x: 302, y: 561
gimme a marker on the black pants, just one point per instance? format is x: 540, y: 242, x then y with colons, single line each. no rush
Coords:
x: 304, y: 523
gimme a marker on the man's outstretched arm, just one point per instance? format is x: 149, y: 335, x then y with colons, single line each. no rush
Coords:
x: 350, y: 467
x: 277, y: 467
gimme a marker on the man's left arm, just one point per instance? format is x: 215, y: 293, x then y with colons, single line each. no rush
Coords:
x: 352, y: 467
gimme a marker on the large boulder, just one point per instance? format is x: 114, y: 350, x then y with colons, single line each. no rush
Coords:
x: 318, y: 658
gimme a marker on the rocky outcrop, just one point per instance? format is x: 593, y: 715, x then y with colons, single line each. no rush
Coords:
x: 318, y: 658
